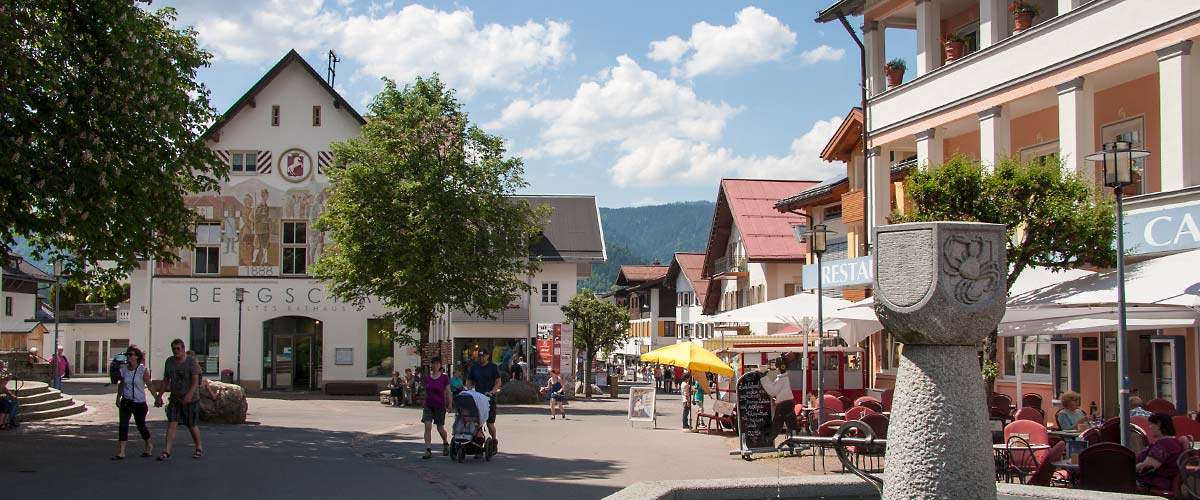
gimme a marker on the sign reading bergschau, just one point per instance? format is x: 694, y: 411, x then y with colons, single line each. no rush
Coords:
x: 840, y: 273
x: 1158, y: 230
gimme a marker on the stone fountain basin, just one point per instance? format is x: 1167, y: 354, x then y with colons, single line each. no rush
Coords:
x: 841, y: 487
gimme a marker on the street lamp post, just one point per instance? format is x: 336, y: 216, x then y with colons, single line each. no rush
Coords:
x: 816, y: 243
x: 57, y: 298
x: 1118, y: 160
x: 240, y: 295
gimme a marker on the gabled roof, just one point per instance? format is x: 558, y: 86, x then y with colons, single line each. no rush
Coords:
x: 812, y: 194
x: 636, y: 275
x: 848, y: 135
x: 248, y: 98
x: 20, y: 269
x: 750, y: 205
x: 692, y: 267
x: 573, y: 233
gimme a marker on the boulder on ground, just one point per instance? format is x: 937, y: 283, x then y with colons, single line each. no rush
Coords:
x: 229, y: 407
x: 518, y: 392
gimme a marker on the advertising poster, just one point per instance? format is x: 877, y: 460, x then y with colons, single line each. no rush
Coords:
x: 555, y: 355
x: 566, y: 349
x: 545, y: 345
x: 641, y: 404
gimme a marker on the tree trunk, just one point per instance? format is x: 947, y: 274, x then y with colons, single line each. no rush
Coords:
x: 587, y: 371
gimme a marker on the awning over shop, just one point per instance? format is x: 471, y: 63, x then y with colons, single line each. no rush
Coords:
x: 1173, y: 280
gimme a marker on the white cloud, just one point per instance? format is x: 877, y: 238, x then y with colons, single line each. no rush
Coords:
x: 649, y: 200
x: 756, y: 37
x: 627, y: 107
x: 822, y: 53
x: 400, y: 44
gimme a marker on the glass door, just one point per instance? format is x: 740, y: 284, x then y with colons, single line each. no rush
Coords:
x: 1170, y: 379
x: 281, y: 366
x: 91, y: 356
x: 302, y: 366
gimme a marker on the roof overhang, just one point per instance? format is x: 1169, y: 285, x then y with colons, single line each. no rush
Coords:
x: 840, y: 8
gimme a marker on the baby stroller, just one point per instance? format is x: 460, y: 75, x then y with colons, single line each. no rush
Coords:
x: 468, y: 438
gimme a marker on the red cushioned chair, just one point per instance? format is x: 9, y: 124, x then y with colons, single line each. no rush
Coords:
x: 826, y: 429
x: 1032, y: 399
x: 857, y: 412
x: 1045, y: 470
x: 1186, y: 427
x: 1108, y: 467
x: 1160, y: 405
x: 1032, y: 414
x: 886, y: 399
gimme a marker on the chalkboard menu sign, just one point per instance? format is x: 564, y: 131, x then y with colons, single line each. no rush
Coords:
x: 754, y: 413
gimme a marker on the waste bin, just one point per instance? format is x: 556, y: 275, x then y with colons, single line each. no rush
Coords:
x: 614, y: 383
x: 227, y: 376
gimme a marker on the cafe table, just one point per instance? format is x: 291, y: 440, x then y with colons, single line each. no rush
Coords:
x: 1061, y: 434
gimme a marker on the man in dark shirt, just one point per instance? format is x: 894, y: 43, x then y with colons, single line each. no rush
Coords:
x: 181, y: 377
x: 484, y: 377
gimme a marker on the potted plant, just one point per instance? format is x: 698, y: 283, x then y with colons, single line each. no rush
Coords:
x: 894, y: 70
x: 1023, y: 13
x: 956, y: 46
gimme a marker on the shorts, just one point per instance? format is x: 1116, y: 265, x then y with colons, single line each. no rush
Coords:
x: 437, y: 415
x: 187, y: 415
x: 491, y: 410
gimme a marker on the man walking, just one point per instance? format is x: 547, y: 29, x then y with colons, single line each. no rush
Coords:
x: 484, y: 377
x: 61, y: 367
x: 181, y: 376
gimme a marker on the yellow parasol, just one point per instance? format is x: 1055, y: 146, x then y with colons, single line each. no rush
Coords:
x: 690, y: 356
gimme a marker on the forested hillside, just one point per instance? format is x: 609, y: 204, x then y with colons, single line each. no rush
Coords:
x: 641, y: 235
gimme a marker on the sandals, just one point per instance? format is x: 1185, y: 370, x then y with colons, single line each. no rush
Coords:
x: 118, y: 457
x: 146, y: 454
x: 164, y: 456
x: 199, y: 453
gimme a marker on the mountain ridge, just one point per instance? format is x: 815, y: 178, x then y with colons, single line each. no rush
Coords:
x: 645, y: 234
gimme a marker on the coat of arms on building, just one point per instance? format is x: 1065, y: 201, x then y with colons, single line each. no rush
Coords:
x: 295, y: 165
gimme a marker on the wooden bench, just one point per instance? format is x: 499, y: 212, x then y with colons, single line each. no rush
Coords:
x: 722, y: 415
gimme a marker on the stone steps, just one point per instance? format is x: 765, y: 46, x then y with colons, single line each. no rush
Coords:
x: 41, y: 402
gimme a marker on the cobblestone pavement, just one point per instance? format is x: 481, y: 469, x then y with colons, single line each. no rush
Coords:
x: 315, y: 446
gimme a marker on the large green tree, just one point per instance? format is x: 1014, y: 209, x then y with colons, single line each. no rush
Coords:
x: 422, y: 214
x: 100, y: 123
x: 600, y: 326
x: 1053, y: 220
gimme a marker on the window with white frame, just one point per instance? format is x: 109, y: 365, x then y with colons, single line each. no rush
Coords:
x: 245, y: 162
x: 1132, y: 130
x: 295, y: 247
x: 1061, y: 357
x: 550, y: 293
x: 1035, y: 356
x: 889, y: 359
x: 207, y: 256
x: 1044, y: 152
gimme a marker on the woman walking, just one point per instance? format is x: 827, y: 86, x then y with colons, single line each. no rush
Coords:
x: 437, y: 398
x: 132, y: 401
x: 555, y: 386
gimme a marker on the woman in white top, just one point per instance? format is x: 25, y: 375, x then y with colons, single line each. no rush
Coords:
x: 132, y: 402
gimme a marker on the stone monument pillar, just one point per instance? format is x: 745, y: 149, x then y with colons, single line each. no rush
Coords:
x: 940, y: 288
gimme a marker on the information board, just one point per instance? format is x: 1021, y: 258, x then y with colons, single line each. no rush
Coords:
x: 641, y: 404
x: 754, y: 413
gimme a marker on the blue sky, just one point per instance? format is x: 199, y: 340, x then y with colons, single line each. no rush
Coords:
x: 636, y: 102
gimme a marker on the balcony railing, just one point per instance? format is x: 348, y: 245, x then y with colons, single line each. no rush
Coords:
x: 88, y: 313
x: 729, y: 264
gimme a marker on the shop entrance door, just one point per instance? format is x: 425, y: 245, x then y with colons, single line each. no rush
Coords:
x: 1170, y: 377
x: 293, y: 345
x: 1110, y: 404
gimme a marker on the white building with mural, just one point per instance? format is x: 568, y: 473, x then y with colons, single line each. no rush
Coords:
x: 285, y: 330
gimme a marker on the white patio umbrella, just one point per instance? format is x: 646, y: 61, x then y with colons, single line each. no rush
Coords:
x: 799, y: 310
x: 1171, y: 280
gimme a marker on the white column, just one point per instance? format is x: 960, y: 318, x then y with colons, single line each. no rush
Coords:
x: 879, y: 184
x: 873, y: 40
x: 993, y: 22
x: 929, y: 148
x: 1178, y: 104
x: 1076, y: 125
x: 994, y: 138
x: 929, y: 36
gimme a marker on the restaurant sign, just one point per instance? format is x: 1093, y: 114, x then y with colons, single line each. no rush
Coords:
x: 1162, y: 230
x: 840, y: 273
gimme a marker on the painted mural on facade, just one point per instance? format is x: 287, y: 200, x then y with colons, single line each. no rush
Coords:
x: 246, y: 221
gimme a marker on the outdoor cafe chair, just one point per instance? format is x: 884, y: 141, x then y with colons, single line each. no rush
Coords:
x: 879, y: 425
x: 886, y: 399
x: 1032, y: 399
x: 1044, y: 473
x: 1020, y: 461
x: 1110, y: 432
x: 1189, y: 475
x: 847, y: 403
x: 1160, y: 405
x: 833, y: 404
x: 1142, y: 423
x: 1032, y: 414
x: 1186, y: 426
x: 1108, y: 467
x: 826, y: 429
x: 857, y: 412
x: 870, y: 402
x: 1091, y: 436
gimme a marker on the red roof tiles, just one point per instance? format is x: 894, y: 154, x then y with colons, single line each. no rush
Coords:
x: 692, y: 267
x: 631, y: 275
x: 749, y: 204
